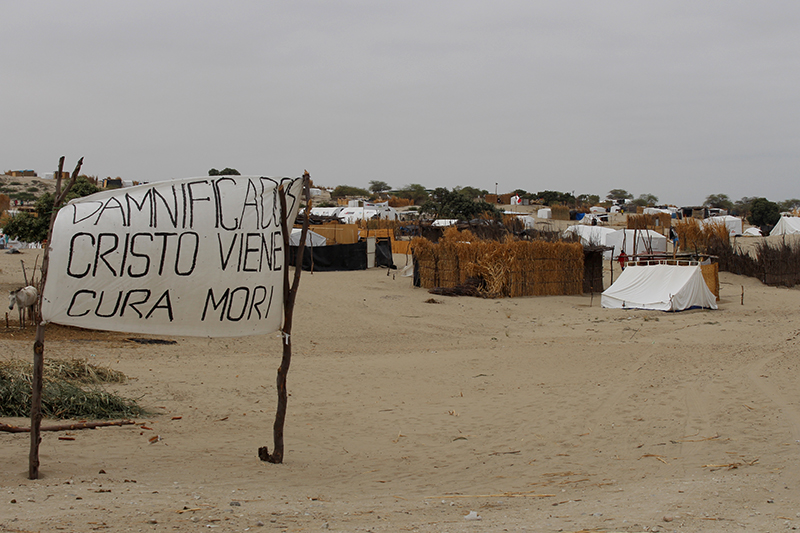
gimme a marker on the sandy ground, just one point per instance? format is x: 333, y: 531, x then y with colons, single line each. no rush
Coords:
x: 537, y: 414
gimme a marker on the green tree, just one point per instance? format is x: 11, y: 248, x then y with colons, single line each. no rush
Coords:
x: 555, y: 197
x: 645, y: 200
x: 471, y: 193
x: 415, y: 192
x: 741, y: 207
x: 28, y: 227
x: 378, y: 186
x: 342, y: 191
x: 227, y: 171
x: 764, y: 213
x: 792, y: 204
x: 619, y: 195
x: 588, y: 199
x: 452, y: 204
x: 720, y: 201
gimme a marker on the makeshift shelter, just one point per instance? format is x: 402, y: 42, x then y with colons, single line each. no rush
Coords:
x: 732, y: 224
x: 592, y: 219
x: 312, y: 239
x: 529, y: 221
x: 544, y: 212
x: 655, y: 211
x: 636, y: 242
x: 444, y: 222
x: 591, y: 236
x: 659, y: 287
x: 351, y: 215
x: 364, y: 254
x: 752, y: 232
x: 325, y: 211
x: 787, y: 226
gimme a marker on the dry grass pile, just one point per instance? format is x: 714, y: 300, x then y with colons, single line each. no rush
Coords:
x: 514, y: 224
x: 505, y: 269
x: 71, y: 389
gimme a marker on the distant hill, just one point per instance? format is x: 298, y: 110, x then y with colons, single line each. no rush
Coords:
x: 26, y: 189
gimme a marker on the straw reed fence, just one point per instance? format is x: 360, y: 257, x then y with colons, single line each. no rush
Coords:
x: 395, y: 201
x: 559, y: 212
x: 773, y: 264
x: 502, y: 269
x: 694, y: 236
x: 659, y: 222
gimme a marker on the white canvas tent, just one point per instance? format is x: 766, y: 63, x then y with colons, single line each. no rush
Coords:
x: 733, y: 224
x: 659, y: 287
x: 312, y: 239
x: 544, y: 212
x: 786, y: 226
x: 636, y: 242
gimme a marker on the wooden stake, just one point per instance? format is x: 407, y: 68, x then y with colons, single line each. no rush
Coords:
x: 289, y: 296
x: 38, y: 344
x: 24, y: 274
x: 67, y: 427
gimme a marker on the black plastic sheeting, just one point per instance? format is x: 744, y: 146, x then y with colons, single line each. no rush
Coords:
x: 383, y: 254
x: 339, y: 257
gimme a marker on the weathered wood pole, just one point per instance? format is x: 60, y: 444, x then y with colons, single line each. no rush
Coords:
x: 38, y: 343
x: 289, y: 296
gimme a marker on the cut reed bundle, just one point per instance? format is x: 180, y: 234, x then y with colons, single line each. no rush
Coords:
x: 71, y: 389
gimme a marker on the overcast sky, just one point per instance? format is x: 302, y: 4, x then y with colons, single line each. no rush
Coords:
x: 678, y: 99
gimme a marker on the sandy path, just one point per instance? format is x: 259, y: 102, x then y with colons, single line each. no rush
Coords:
x: 540, y: 414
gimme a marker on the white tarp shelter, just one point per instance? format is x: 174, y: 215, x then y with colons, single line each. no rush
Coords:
x: 636, y: 242
x: 659, y: 287
x: 312, y: 239
x: 597, y: 210
x: 325, y: 211
x: 656, y: 211
x: 350, y: 215
x: 544, y: 212
x: 786, y: 226
x: 591, y: 219
x: 444, y: 222
x: 752, y: 232
x: 529, y: 221
x: 733, y: 224
x: 591, y: 235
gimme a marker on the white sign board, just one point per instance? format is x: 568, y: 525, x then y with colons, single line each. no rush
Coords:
x: 198, y: 256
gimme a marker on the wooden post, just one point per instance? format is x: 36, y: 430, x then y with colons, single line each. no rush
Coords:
x: 38, y: 343
x: 24, y: 272
x: 289, y: 296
